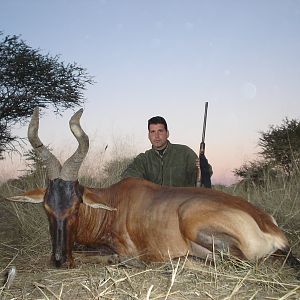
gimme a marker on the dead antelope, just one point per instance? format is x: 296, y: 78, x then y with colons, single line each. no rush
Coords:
x: 137, y: 218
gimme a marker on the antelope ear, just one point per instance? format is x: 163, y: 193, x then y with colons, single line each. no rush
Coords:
x: 34, y: 196
x: 91, y: 199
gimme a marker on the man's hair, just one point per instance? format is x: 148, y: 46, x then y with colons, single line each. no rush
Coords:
x: 157, y: 120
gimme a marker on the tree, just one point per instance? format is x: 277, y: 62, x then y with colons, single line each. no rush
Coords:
x: 28, y: 79
x: 280, y: 153
x: 281, y: 145
x: 255, y: 172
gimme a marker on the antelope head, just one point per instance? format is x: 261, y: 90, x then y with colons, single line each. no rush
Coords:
x: 63, y: 195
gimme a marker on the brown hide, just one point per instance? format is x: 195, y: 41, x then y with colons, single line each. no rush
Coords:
x: 155, y: 223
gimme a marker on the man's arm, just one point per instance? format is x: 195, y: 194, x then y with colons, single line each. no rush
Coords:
x: 206, y: 171
x: 135, y: 168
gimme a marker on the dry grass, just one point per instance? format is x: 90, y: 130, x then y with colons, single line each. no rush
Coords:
x: 24, y: 243
x: 178, y: 279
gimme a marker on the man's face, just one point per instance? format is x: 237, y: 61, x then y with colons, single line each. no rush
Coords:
x: 158, y: 136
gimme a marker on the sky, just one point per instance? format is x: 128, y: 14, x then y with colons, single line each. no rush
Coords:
x: 168, y: 58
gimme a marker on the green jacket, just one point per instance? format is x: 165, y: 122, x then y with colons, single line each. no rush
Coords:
x: 175, y: 167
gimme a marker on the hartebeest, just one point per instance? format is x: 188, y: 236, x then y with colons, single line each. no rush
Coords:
x: 137, y: 218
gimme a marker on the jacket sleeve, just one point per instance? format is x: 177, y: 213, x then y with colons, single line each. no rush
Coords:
x: 135, y: 168
x: 192, y: 168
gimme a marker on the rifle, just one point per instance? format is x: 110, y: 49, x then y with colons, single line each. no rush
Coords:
x: 202, y: 146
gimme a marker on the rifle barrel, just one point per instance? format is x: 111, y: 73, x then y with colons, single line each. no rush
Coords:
x: 204, y: 122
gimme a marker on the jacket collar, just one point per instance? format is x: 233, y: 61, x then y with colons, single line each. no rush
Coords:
x: 162, y: 152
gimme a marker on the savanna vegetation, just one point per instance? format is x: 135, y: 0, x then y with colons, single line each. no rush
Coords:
x: 25, y: 244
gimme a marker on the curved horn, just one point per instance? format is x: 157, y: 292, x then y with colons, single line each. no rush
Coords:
x: 52, y: 164
x: 71, y: 167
